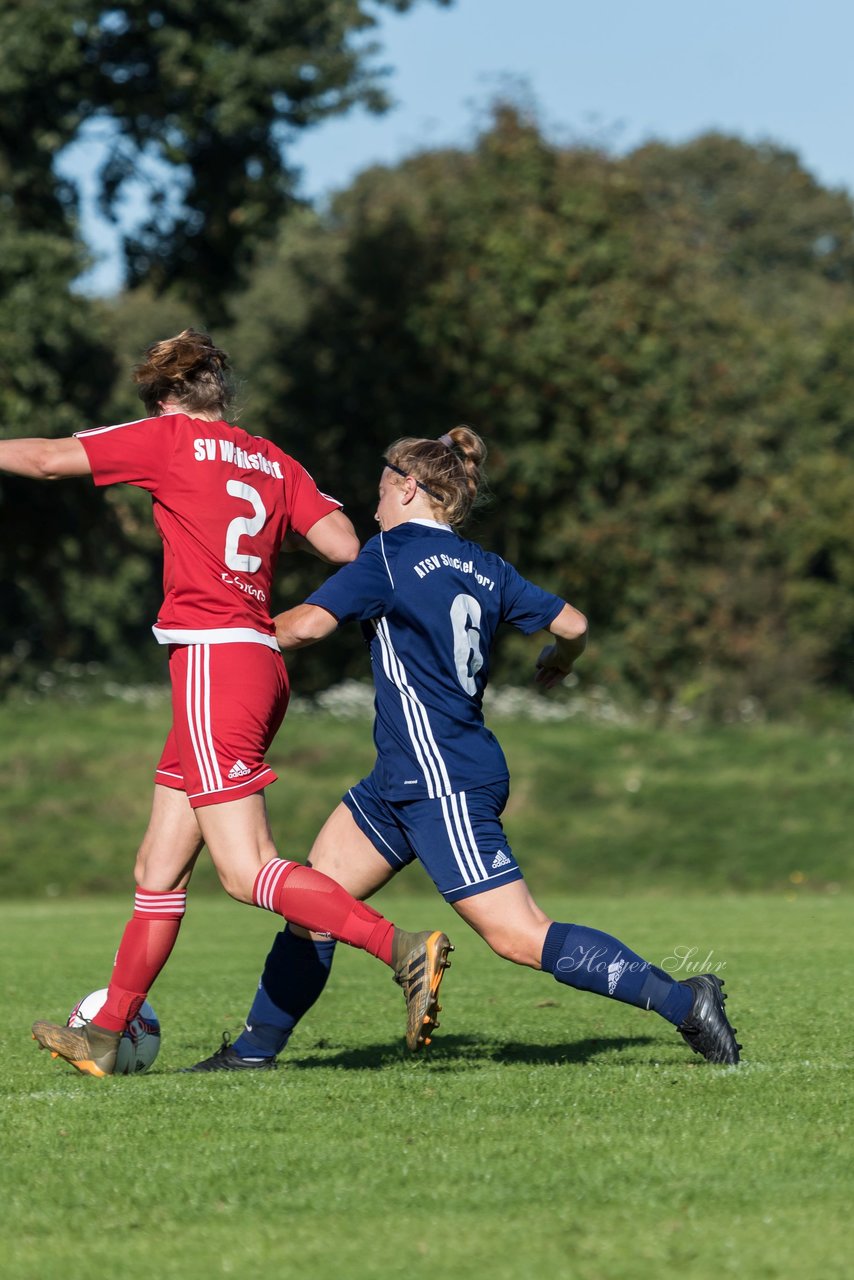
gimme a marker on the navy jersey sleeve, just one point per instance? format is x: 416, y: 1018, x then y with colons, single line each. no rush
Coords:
x: 525, y: 605
x: 360, y: 590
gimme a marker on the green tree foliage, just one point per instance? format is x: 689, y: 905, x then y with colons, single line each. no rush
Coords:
x: 204, y: 99
x: 813, y: 503
x: 656, y: 347
x: 208, y: 98
x: 71, y: 583
x: 631, y: 336
x: 766, y: 220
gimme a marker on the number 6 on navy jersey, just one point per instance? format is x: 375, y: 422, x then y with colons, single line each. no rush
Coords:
x: 468, y: 658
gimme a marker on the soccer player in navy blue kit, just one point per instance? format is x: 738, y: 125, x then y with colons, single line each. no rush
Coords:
x: 430, y: 602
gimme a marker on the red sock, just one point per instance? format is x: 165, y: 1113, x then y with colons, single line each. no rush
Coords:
x: 145, y: 947
x: 309, y: 898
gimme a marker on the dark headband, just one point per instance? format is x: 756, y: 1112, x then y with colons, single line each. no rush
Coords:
x: 405, y: 474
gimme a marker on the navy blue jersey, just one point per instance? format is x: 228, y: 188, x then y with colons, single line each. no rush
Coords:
x: 432, y: 602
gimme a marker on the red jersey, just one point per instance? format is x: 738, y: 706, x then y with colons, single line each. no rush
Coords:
x: 222, y: 502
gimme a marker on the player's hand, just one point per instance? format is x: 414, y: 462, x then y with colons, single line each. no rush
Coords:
x: 549, y: 671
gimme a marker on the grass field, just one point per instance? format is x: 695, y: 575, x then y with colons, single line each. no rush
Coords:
x: 545, y: 1132
x: 592, y: 806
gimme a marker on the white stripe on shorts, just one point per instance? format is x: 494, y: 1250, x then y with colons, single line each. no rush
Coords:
x: 199, y: 715
x: 461, y: 838
x: 379, y: 835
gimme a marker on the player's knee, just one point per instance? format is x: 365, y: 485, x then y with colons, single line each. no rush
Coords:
x: 140, y: 871
x: 236, y: 886
x: 514, y: 945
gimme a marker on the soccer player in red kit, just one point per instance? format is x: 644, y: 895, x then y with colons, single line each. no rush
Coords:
x: 224, y: 503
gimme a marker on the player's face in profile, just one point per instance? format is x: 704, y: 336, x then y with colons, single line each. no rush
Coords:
x: 385, y: 515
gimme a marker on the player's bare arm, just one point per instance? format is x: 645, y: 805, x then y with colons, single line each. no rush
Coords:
x: 557, y: 659
x: 332, y: 539
x: 42, y: 459
x: 304, y: 625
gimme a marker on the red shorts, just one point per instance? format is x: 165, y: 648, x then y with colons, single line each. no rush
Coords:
x: 228, y: 701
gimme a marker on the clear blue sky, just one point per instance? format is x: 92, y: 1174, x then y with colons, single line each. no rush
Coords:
x: 619, y: 71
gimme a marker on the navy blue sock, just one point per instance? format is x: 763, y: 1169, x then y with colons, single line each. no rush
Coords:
x: 592, y: 961
x: 294, y: 976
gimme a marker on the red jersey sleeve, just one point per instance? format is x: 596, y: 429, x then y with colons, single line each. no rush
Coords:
x: 306, y: 504
x: 137, y: 453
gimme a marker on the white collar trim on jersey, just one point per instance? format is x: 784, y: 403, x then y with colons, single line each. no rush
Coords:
x: 431, y: 524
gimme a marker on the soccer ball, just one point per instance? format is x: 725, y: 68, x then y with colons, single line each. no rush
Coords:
x: 139, y: 1045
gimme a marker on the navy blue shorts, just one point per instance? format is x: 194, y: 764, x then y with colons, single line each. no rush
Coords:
x: 458, y: 839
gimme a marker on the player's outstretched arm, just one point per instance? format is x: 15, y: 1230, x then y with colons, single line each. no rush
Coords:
x: 557, y: 659
x: 303, y: 625
x: 42, y: 459
x: 332, y: 539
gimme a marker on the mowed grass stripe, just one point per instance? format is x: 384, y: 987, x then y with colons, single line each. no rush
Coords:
x: 592, y: 806
x: 544, y: 1129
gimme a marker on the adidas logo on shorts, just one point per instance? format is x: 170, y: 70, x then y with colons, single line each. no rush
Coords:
x: 500, y: 860
x: 239, y: 770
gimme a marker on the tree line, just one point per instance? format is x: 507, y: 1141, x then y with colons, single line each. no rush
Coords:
x: 655, y: 347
